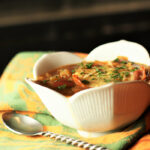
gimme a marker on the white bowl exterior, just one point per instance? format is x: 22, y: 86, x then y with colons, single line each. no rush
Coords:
x: 133, y: 51
x: 107, y: 108
x: 93, y: 109
x: 48, y: 62
x: 57, y: 104
x: 97, y: 109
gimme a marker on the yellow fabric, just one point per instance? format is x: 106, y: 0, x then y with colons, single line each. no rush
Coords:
x: 16, y: 95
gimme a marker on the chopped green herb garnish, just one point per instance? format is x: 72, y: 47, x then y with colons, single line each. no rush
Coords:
x: 97, y: 69
x: 134, y: 69
x: 124, y: 62
x: 73, y: 70
x: 61, y: 87
x: 93, y: 79
x: 101, y: 67
x: 116, y: 76
x: 85, y: 81
x: 120, y: 77
x: 122, y: 67
x: 116, y: 60
x: 82, y: 73
x: 89, y: 65
x: 126, y: 74
x: 45, y: 81
x: 81, y: 64
x: 115, y: 71
x: 107, y: 80
x: 99, y: 72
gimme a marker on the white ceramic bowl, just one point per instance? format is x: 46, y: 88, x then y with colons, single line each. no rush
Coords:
x: 96, y: 111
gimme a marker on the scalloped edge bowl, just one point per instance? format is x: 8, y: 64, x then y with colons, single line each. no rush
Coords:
x: 96, y: 111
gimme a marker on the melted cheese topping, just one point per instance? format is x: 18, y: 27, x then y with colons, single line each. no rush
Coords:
x: 70, y: 79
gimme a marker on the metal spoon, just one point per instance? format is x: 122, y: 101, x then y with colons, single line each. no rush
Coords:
x: 22, y: 124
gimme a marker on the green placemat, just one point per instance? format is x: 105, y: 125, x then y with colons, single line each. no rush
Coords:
x: 15, y: 94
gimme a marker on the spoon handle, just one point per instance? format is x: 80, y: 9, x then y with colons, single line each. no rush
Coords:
x: 72, y: 141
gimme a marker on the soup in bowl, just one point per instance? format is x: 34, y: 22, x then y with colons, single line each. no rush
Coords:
x: 105, y: 91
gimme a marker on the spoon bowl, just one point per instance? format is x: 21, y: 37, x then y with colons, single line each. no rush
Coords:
x: 22, y: 124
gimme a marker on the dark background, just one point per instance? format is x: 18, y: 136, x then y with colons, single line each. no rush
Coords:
x: 70, y: 25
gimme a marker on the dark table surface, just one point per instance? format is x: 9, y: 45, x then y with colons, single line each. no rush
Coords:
x: 70, y: 25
